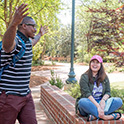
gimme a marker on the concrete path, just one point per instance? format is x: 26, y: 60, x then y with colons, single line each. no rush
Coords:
x: 42, y: 117
x: 63, y: 69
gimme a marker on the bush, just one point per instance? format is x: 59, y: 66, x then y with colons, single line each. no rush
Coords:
x: 121, y: 70
x: 55, y: 80
x: 37, y: 62
x: 118, y: 93
x: 73, y: 90
x: 110, y: 68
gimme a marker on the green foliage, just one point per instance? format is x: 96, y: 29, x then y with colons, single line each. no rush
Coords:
x: 37, y: 50
x: 73, y: 90
x: 43, y: 12
x: 121, y: 70
x: 37, y: 62
x: 117, y: 85
x: 110, y: 69
x: 60, y: 42
x: 105, y: 33
x: 53, y: 63
x: 87, y: 58
x: 118, y: 93
x: 55, y: 80
x: 83, y: 23
x: 100, y: 16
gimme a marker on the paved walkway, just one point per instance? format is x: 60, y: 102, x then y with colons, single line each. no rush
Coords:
x: 42, y: 117
x: 62, y: 71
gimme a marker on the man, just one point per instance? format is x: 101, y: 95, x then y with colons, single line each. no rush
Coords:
x: 15, y: 96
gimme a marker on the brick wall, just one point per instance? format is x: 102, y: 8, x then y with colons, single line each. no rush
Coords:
x: 61, y: 107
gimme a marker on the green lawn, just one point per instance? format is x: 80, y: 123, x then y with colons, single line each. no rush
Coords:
x: 118, y: 85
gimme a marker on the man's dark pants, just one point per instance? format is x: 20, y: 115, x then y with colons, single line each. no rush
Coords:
x: 14, y: 107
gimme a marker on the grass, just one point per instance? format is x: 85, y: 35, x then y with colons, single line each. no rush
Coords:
x: 118, y: 85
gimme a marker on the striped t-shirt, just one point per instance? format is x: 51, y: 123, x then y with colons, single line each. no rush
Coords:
x: 15, y: 80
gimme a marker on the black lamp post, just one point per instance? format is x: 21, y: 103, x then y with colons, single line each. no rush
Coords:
x: 71, y: 74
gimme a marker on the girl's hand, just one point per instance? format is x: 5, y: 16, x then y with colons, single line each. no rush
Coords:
x: 102, y: 104
x: 100, y: 112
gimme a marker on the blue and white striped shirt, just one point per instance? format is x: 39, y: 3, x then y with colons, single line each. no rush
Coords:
x: 15, y: 80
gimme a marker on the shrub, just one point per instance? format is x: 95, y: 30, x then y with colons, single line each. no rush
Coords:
x: 73, y: 90
x: 121, y: 70
x: 38, y: 62
x: 118, y: 93
x: 111, y: 69
x: 55, y: 80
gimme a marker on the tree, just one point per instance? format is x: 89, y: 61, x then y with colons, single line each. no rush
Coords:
x: 92, y: 23
x: 82, y: 26
x: 44, y: 12
x: 60, y: 42
x: 107, y: 31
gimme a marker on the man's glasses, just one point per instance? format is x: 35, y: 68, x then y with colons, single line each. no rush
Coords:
x: 33, y: 25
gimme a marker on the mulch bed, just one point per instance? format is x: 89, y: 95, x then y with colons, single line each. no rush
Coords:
x: 38, y: 80
x: 42, y: 68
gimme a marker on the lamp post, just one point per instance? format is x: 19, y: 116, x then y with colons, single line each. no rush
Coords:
x: 71, y: 74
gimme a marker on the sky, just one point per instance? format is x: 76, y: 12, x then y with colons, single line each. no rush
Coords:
x: 65, y: 15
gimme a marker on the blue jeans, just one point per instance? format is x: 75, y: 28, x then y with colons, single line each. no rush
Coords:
x: 87, y: 107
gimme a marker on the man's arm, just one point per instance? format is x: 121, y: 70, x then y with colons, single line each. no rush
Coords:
x: 43, y: 30
x: 9, y: 36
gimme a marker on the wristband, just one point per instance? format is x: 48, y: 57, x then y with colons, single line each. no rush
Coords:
x: 104, y: 99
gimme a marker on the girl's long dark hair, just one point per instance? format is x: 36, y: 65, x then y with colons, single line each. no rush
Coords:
x: 101, y: 75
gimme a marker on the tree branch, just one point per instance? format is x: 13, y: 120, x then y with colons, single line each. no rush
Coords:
x: 2, y: 18
x: 15, y: 6
x: 40, y: 10
x: 10, y: 11
x: 5, y: 12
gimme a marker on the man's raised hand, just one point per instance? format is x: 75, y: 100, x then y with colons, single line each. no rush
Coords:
x: 20, y: 13
x: 43, y: 30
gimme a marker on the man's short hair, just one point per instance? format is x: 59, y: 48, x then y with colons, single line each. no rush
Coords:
x: 26, y: 19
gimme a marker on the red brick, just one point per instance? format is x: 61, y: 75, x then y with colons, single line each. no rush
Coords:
x: 62, y: 110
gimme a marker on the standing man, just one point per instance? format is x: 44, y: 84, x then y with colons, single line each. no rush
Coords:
x: 15, y: 96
